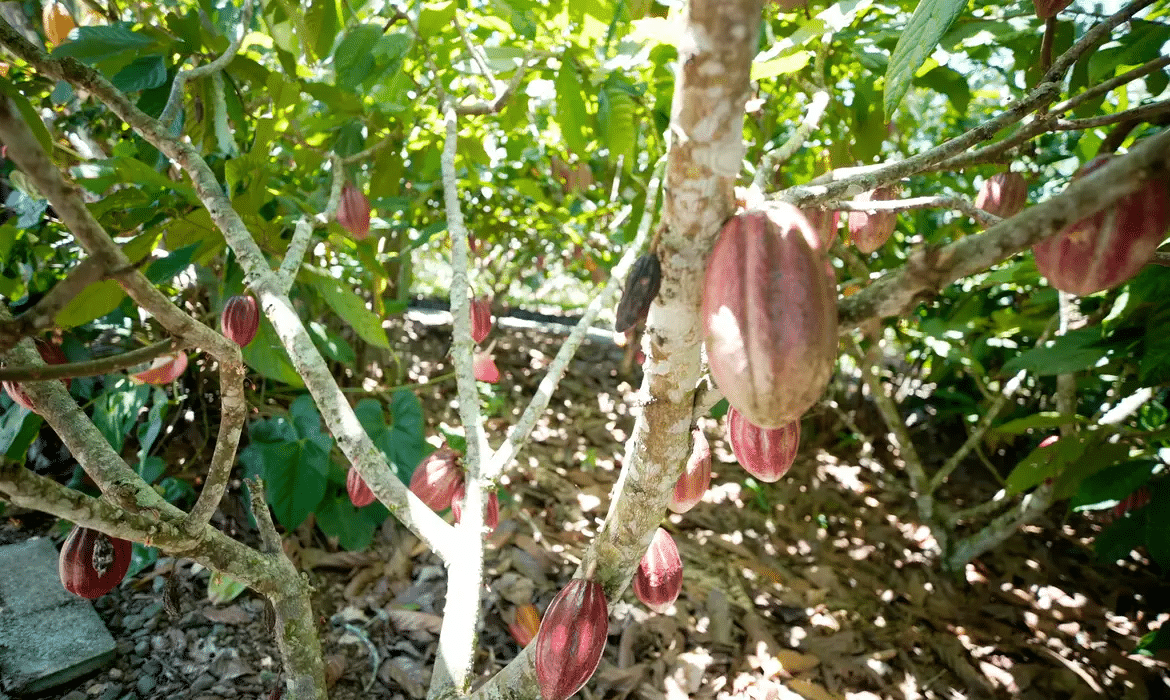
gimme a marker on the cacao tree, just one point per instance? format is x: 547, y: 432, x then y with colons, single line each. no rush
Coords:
x: 297, y: 170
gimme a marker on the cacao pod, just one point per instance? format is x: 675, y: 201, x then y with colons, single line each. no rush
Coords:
x: 485, y: 367
x: 92, y: 563
x: 353, y: 212
x: 1108, y: 248
x: 491, y: 516
x: 1049, y: 8
x: 696, y: 478
x: 57, y: 22
x: 164, y: 370
x: 359, y: 491
x: 766, y: 454
x: 481, y: 318
x: 571, y: 639
x: 1135, y: 501
x: 437, y: 477
x: 770, y: 315
x: 1003, y: 194
x: 658, y: 580
x: 526, y: 625
x: 641, y: 288
x: 824, y: 222
x: 870, y: 230
x: 52, y: 354
x: 240, y: 319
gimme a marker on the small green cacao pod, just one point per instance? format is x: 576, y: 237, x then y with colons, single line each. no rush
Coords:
x: 91, y: 563
x: 571, y: 639
x: 641, y: 288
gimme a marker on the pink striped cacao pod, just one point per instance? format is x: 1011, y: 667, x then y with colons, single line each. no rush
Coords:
x: 359, y: 491
x: 491, y: 516
x: 571, y: 639
x: 658, y: 580
x: 870, y: 230
x: 353, y: 212
x: 696, y: 478
x: 437, y: 477
x: 1003, y: 194
x: 1049, y: 8
x: 824, y: 222
x: 481, y: 318
x: 164, y: 370
x: 52, y: 354
x: 770, y: 315
x: 766, y: 454
x: 484, y: 367
x: 240, y: 319
x: 92, y: 563
x: 1108, y: 248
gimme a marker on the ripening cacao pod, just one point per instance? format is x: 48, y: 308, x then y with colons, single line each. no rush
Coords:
x: 824, y: 222
x: 1003, y: 194
x: 766, y: 454
x: 641, y: 287
x: 870, y: 230
x: 437, y: 477
x: 696, y: 478
x: 359, y: 491
x: 164, y: 369
x: 52, y: 354
x: 1108, y: 248
x: 526, y: 625
x: 1049, y: 8
x: 491, y: 516
x: 353, y: 212
x: 92, y: 563
x: 1135, y: 501
x: 481, y: 318
x: 57, y: 21
x: 485, y: 367
x: 240, y: 319
x: 658, y: 580
x: 770, y: 315
x: 571, y: 639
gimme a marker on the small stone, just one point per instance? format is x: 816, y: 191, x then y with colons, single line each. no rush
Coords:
x: 141, y: 648
x: 74, y: 695
x: 112, y: 692
x: 151, y: 668
x: 146, y: 684
x: 203, y: 682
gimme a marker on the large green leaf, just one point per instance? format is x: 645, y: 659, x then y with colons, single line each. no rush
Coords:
x: 110, y: 48
x: 918, y: 40
x: 95, y: 301
x: 267, y: 355
x: 1046, y: 462
x: 353, y: 527
x: 116, y: 411
x: 353, y: 60
x: 1111, y: 485
x: 350, y: 307
x: 571, y: 116
x: 402, y: 442
x: 1072, y: 352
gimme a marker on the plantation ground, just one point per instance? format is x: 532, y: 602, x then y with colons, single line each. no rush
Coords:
x: 820, y: 586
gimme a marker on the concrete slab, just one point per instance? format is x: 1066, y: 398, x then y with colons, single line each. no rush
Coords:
x: 48, y: 636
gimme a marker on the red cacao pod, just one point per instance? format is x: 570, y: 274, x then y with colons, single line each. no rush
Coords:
x: 824, y: 222
x: 1003, y: 194
x: 481, y: 318
x: 870, y: 230
x: 641, y: 288
x: 491, y: 516
x: 164, y: 369
x: 766, y: 454
x: 437, y: 477
x: 526, y: 625
x: 1108, y: 248
x: 770, y: 315
x: 485, y: 367
x: 658, y: 580
x: 571, y: 639
x: 1135, y: 501
x: 696, y: 478
x: 353, y: 212
x: 52, y: 354
x: 92, y: 563
x: 240, y: 319
x: 359, y: 491
x: 1049, y: 8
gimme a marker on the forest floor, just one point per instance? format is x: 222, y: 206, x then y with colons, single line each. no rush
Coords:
x: 819, y: 586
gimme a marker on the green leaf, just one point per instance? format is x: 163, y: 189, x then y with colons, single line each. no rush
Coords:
x: 18, y: 428
x: 30, y: 115
x: 917, y: 41
x: 1072, y: 352
x: 350, y: 307
x: 571, y: 115
x: 1158, y: 523
x: 143, y: 73
x: 1111, y: 485
x: 164, y: 269
x: 1045, y: 462
x: 434, y: 18
x: 1045, y: 420
x: 620, y: 131
x: 223, y: 589
x: 267, y: 355
x: 354, y: 528
x: 292, y: 456
x: 1154, y: 641
x: 353, y: 60
x: 1097, y: 457
x: 784, y: 65
x: 1121, y: 537
x: 331, y: 344
x: 108, y: 47
x: 409, y: 444
x: 322, y: 21
x: 116, y: 411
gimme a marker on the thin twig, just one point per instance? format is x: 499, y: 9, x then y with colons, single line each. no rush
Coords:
x: 925, y: 202
x: 91, y: 368
x: 1140, y: 114
x: 175, y: 100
